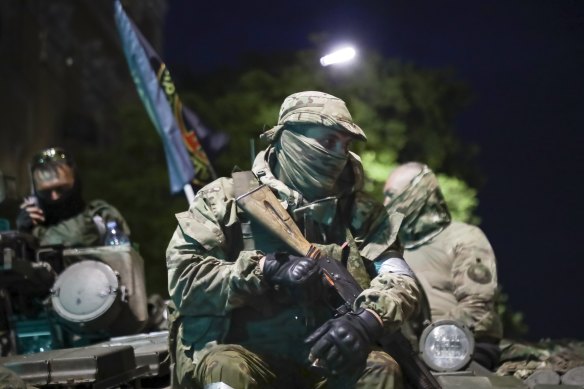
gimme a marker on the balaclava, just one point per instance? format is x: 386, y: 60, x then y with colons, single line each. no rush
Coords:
x: 423, y: 206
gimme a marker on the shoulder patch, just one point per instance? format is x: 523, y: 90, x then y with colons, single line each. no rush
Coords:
x: 479, y: 273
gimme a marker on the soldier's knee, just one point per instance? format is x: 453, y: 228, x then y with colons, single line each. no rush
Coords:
x: 381, y: 371
x: 224, y: 364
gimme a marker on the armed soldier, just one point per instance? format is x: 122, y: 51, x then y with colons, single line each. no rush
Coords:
x: 247, y: 314
x: 57, y: 213
x: 453, y: 260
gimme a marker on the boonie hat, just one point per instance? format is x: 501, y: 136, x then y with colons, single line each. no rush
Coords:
x: 318, y: 108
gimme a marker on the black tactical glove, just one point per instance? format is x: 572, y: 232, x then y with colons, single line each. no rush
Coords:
x: 344, y: 342
x: 300, y: 276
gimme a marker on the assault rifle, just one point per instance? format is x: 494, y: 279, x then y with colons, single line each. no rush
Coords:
x: 263, y: 206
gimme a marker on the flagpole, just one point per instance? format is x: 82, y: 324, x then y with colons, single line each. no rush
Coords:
x: 189, y: 193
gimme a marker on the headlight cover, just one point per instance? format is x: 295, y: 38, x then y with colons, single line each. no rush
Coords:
x: 446, y: 345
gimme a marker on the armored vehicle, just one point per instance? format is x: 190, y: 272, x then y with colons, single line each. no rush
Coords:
x: 75, y: 316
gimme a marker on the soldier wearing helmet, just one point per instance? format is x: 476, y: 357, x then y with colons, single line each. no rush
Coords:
x: 244, y: 312
x: 57, y: 213
x: 453, y: 260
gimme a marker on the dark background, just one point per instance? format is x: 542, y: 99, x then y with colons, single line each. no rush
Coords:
x: 524, y: 62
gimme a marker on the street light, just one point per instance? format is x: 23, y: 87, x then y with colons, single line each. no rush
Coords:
x: 339, y: 56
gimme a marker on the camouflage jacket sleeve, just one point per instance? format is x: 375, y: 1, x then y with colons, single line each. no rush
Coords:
x: 474, y: 273
x: 393, y: 293
x: 204, y: 278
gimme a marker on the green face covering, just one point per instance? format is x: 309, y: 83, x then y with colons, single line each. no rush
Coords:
x: 307, y: 166
x: 424, y: 209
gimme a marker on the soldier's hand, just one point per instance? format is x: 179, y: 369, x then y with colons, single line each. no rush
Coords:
x: 301, y: 276
x: 344, y: 342
x: 30, y: 215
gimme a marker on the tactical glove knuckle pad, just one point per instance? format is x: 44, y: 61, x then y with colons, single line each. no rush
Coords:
x: 302, y: 270
x: 299, y: 276
x: 347, y: 340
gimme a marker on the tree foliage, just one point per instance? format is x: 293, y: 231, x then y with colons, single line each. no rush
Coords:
x: 131, y: 175
x: 408, y: 114
x: 514, y: 326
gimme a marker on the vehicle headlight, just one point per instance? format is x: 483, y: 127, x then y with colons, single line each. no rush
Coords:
x: 446, y: 345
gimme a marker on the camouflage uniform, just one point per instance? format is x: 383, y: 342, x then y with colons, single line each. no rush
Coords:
x: 227, y: 325
x: 453, y: 261
x: 83, y: 230
x: 522, y: 358
x: 9, y: 380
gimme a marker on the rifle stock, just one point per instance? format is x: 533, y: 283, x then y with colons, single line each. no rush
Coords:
x: 263, y: 206
x: 261, y: 201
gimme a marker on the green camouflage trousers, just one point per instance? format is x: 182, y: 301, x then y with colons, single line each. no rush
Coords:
x: 241, y: 368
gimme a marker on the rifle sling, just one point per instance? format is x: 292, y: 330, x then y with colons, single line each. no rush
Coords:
x: 243, y: 182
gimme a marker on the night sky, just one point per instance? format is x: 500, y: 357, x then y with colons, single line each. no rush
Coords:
x: 524, y: 61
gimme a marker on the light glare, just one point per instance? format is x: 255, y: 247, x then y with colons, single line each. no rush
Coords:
x: 342, y: 55
x: 446, y: 345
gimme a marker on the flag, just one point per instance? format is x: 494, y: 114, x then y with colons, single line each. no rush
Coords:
x: 176, y: 125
